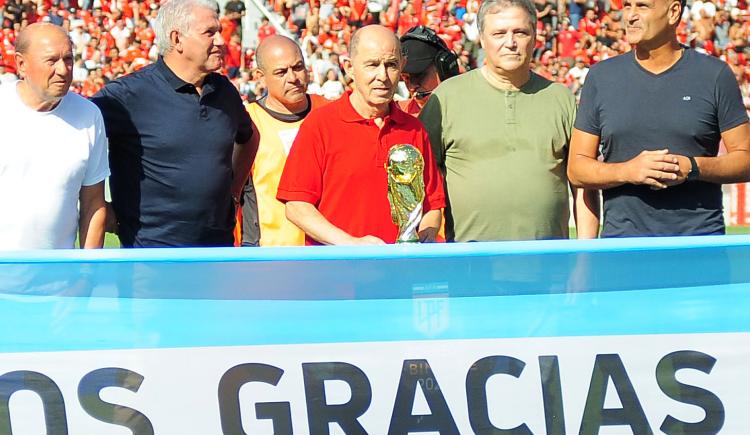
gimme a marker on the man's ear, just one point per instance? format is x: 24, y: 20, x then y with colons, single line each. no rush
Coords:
x: 175, y: 40
x: 348, y: 66
x: 675, y: 12
x: 20, y: 65
x: 259, y: 75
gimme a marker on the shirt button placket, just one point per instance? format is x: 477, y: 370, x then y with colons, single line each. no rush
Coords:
x: 382, y: 154
x: 510, y: 107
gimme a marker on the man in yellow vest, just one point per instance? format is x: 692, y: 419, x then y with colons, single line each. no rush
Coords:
x: 276, y: 119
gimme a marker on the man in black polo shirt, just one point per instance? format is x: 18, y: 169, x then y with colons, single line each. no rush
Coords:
x: 176, y: 129
x: 659, y: 113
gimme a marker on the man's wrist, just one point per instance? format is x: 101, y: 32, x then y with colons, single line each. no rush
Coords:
x: 694, y: 171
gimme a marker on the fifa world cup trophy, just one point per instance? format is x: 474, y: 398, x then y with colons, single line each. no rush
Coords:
x: 405, y: 168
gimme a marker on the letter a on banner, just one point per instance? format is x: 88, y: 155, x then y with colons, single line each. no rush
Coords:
x: 402, y: 420
x: 631, y: 414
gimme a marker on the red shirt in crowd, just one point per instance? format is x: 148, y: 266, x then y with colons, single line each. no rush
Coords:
x: 406, y: 22
x: 145, y: 34
x: 134, y: 52
x: 327, y: 39
x: 567, y: 40
x: 233, y: 56
x: 264, y: 31
x: 588, y: 26
x: 359, y: 9
x: 228, y: 27
x: 337, y: 163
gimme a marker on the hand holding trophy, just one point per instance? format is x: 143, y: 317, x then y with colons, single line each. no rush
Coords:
x: 405, y: 168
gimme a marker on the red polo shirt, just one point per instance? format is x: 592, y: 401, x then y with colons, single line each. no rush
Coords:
x: 337, y: 163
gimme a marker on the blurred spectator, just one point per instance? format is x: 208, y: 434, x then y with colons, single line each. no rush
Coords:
x: 12, y: 11
x: 233, y: 56
x: 80, y: 73
x: 247, y: 86
x: 121, y: 34
x: 265, y: 29
x: 235, y: 11
x: 332, y: 88
x: 578, y: 73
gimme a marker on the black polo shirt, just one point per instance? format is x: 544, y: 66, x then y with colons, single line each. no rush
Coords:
x: 170, y: 152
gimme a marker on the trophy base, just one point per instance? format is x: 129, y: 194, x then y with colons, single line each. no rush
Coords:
x: 407, y: 241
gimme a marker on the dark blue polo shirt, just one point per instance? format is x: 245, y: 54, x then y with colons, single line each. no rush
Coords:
x: 170, y: 152
x: 684, y: 109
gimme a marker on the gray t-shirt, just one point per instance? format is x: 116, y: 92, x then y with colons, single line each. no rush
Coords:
x: 684, y: 109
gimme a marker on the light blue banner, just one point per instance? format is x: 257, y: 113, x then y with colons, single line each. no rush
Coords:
x: 126, y: 299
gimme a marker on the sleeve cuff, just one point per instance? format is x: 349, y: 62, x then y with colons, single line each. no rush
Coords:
x: 285, y: 196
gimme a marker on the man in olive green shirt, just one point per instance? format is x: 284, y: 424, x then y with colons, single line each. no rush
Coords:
x: 500, y: 135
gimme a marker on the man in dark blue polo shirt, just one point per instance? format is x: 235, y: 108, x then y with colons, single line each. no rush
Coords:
x: 176, y: 129
x: 658, y: 114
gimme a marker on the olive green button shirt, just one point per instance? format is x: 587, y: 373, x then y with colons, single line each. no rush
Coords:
x: 503, y: 155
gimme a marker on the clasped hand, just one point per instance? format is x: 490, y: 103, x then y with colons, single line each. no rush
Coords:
x: 657, y: 169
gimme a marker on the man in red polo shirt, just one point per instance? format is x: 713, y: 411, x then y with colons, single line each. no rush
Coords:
x: 334, y: 183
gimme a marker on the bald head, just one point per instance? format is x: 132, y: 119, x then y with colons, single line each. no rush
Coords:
x: 374, y: 34
x: 44, y: 59
x: 375, y: 68
x: 39, y: 31
x: 282, y: 69
x: 275, y: 46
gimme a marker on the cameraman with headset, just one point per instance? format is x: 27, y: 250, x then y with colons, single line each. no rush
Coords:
x: 428, y: 63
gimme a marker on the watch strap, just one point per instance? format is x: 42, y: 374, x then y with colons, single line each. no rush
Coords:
x: 694, y: 170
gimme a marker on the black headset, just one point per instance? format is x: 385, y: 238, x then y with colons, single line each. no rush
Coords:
x: 446, y: 61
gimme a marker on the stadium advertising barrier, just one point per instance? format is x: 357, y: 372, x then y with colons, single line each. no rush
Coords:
x: 569, y: 337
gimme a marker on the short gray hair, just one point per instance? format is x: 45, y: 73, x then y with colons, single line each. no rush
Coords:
x: 177, y: 15
x: 494, y: 6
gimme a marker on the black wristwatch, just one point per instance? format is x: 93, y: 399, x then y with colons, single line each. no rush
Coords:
x: 695, y: 172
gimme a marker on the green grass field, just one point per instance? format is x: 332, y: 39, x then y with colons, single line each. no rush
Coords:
x: 111, y: 240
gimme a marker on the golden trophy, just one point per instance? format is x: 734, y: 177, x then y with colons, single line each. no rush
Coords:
x: 405, y: 168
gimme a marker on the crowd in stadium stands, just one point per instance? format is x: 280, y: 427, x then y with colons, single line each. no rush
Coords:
x: 115, y: 37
